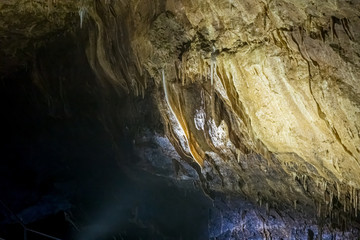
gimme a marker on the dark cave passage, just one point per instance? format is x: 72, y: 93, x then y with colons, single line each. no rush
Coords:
x: 66, y: 175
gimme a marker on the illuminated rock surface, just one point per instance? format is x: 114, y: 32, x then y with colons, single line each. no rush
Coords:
x: 259, y: 99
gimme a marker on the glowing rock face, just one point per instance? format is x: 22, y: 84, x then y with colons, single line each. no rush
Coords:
x: 280, y: 80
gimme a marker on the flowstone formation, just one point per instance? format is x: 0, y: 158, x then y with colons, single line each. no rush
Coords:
x: 238, y: 81
x: 261, y: 98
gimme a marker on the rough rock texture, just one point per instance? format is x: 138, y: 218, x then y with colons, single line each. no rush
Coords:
x: 27, y: 25
x: 261, y: 98
x: 238, y: 80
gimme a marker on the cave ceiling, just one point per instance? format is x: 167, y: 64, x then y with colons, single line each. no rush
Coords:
x: 260, y: 97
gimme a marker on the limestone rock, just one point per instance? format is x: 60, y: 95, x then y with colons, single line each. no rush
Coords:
x: 262, y: 95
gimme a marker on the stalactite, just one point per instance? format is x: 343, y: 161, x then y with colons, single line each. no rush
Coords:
x: 324, y: 196
x: 345, y: 24
x: 145, y: 81
x: 212, y: 72
x: 212, y: 103
x: 331, y: 201
x: 357, y: 199
x: 183, y: 69
x: 142, y: 92
x: 352, y: 195
x: 167, y: 95
x: 177, y: 67
x: 356, y: 202
x: 138, y: 64
x: 206, y: 70
x: 82, y: 12
x: 336, y: 164
x: 135, y: 87
x: 238, y: 155
x: 195, y: 155
x: 325, y: 210
x: 304, y: 178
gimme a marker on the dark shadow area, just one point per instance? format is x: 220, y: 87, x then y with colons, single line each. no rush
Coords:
x: 68, y: 167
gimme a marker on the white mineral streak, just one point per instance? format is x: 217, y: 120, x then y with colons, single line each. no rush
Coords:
x: 199, y: 119
x: 178, y: 131
x: 220, y: 137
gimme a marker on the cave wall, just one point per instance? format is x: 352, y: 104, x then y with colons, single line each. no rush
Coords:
x: 237, y: 81
x: 261, y: 98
